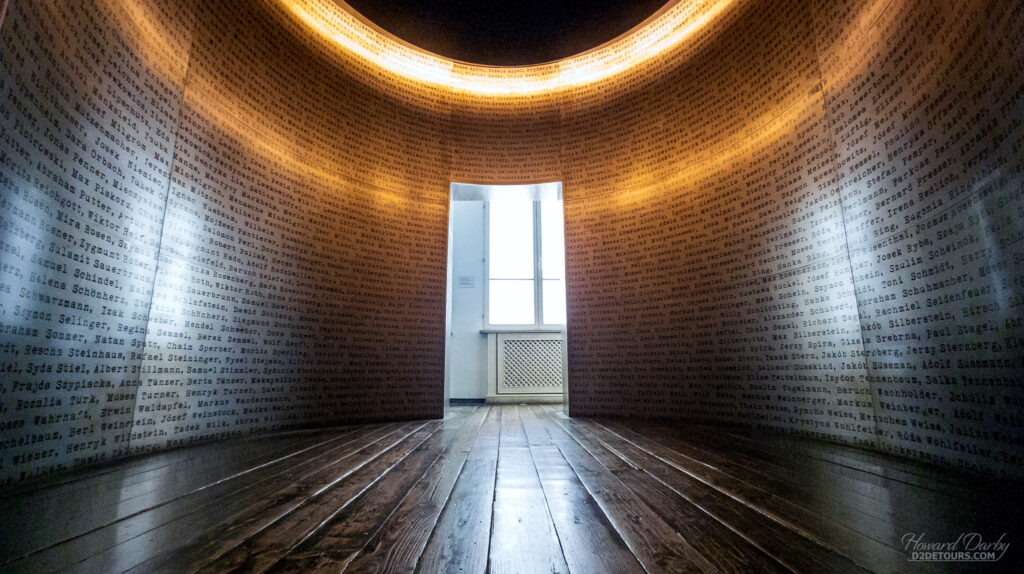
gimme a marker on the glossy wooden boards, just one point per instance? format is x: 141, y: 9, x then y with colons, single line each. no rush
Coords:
x: 504, y: 488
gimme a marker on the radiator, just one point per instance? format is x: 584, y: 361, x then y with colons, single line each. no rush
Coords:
x: 529, y: 363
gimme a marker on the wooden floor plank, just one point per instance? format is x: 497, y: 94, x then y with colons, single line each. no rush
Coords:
x: 832, y: 457
x: 207, y: 505
x: 821, y: 479
x: 261, y: 548
x: 239, y: 524
x: 399, y: 542
x: 338, y: 538
x: 589, y: 542
x: 727, y: 549
x: 912, y: 497
x: 817, y: 489
x: 739, y: 535
x: 741, y: 510
x: 657, y: 545
x: 72, y: 482
x: 869, y: 504
x: 503, y: 488
x: 460, y: 539
x: 523, y: 538
x: 85, y: 508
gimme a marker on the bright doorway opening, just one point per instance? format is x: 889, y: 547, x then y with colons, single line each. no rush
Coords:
x: 506, y: 311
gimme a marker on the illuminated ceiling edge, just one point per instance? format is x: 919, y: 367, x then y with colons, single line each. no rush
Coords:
x: 341, y: 26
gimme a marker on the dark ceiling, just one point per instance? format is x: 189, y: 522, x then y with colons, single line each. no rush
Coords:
x: 506, y: 32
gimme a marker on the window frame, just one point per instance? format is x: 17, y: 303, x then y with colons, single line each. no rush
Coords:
x: 537, y: 279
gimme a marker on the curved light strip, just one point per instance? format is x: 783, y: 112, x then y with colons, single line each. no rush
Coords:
x: 338, y: 23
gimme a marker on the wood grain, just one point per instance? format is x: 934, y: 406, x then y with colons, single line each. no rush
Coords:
x: 523, y: 538
x: 460, y: 539
x: 508, y: 488
x: 589, y: 541
x: 399, y: 542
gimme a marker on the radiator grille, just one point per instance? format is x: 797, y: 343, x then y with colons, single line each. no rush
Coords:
x: 529, y: 365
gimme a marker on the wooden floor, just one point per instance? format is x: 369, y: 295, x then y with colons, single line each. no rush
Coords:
x: 518, y: 489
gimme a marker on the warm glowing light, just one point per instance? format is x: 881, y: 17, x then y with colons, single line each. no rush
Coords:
x: 154, y: 39
x: 339, y: 24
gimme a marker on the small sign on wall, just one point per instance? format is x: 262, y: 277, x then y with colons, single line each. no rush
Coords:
x: 466, y: 282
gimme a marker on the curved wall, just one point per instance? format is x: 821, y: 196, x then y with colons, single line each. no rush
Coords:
x: 824, y: 238
x: 806, y: 217
x: 91, y: 99
x: 208, y: 230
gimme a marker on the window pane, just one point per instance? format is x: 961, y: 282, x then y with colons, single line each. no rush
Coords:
x: 552, y: 240
x: 511, y: 240
x: 511, y: 302
x: 554, y: 302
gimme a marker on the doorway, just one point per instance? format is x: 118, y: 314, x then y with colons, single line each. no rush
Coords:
x: 506, y: 304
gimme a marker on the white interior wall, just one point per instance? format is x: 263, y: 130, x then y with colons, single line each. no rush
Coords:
x: 467, y: 347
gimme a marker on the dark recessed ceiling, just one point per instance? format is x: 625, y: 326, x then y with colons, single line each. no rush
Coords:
x: 506, y: 32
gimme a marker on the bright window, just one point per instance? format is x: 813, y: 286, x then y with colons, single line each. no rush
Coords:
x: 525, y: 264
